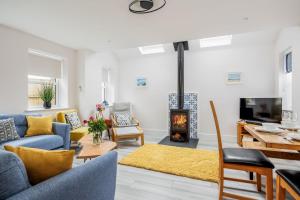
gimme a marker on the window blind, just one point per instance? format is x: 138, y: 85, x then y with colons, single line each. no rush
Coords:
x: 43, y: 66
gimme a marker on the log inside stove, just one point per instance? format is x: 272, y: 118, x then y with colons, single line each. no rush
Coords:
x: 179, y: 127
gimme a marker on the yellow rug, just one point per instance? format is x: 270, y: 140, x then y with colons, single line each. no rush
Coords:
x: 192, y: 163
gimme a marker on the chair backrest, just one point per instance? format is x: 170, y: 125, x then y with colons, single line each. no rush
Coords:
x: 121, y: 107
x: 220, y: 147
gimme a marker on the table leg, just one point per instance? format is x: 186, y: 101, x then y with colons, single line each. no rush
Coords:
x: 142, y: 139
x: 251, y: 175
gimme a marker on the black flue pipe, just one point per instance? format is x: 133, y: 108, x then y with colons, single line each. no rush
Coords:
x: 180, y: 92
x: 180, y: 47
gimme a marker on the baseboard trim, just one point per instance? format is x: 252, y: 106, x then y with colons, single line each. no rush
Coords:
x: 201, y: 135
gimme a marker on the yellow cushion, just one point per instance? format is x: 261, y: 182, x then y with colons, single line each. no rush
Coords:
x: 43, y: 164
x: 78, y: 133
x: 60, y: 116
x: 39, y: 125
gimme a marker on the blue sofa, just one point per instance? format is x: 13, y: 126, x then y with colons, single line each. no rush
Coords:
x: 95, y: 180
x: 59, y: 140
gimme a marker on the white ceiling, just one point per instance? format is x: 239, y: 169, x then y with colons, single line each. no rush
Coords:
x: 238, y: 40
x: 107, y: 24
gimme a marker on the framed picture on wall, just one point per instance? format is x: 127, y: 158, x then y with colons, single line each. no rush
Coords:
x: 141, y: 82
x: 233, y: 78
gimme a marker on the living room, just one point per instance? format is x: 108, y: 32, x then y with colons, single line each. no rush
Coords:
x: 148, y: 92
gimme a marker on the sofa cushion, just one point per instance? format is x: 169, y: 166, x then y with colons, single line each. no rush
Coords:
x: 8, y: 130
x: 39, y: 125
x: 20, y: 122
x: 73, y: 119
x: 42, y: 164
x: 13, y: 176
x: 47, y: 142
x: 123, y: 118
x: 61, y: 116
x: 77, y: 134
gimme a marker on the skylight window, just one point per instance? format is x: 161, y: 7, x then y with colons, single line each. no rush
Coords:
x: 159, y: 48
x: 216, y: 41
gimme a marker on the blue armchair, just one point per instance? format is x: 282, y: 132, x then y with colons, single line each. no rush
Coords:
x: 95, y: 180
x: 59, y: 140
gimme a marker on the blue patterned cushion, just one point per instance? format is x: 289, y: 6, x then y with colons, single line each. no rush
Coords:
x: 123, y: 118
x: 73, y: 119
x: 8, y: 130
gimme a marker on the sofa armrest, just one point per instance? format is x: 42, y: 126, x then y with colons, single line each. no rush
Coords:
x: 62, y: 130
x: 95, y: 180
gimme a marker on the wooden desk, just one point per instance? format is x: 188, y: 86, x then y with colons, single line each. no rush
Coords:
x: 273, y: 145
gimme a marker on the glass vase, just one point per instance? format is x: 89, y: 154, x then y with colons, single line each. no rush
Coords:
x: 97, y: 138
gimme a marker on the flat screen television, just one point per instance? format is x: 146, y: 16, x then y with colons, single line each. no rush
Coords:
x: 261, y: 109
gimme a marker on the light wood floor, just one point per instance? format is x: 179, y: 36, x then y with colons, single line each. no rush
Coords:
x: 139, y: 184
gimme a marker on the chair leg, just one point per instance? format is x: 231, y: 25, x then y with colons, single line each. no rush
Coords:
x: 142, y: 140
x: 258, y: 182
x: 251, y: 175
x: 269, y: 185
x: 221, y: 188
x: 280, y: 191
x: 221, y: 182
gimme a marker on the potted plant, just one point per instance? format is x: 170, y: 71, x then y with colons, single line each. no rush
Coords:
x: 46, y: 93
x: 96, y: 127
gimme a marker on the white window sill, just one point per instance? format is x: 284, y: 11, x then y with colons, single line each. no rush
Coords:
x: 44, y: 109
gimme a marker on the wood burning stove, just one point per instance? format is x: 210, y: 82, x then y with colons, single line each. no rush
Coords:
x: 180, y: 125
x: 180, y: 118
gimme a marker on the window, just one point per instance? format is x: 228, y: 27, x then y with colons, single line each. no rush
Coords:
x: 288, y: 62
x: 287, y: 80
x: 45, y: 68
x: 107, y: 87
x: 34, y: 85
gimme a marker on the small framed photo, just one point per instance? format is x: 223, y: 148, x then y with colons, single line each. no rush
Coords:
x: 141, y: 82
x: 233, y: 78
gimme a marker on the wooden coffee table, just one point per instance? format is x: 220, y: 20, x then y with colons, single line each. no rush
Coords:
x: 90, y: 150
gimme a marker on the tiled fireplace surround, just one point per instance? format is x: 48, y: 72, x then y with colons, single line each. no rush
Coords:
x: 190, y: 103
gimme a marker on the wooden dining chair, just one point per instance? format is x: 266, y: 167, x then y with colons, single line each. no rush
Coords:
x: 287, y: 180
x: 249, y: 160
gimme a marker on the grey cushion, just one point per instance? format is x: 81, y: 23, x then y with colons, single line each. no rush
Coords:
x: 73, y: 119
x: 8, y: 130
x: 13, y: 176
x: 47, y: 142
x: 123, y: 118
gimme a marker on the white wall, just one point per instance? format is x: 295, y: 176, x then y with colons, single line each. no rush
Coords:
x: 14, y: 63
x: 90, y: 78
x: 205, y: 73
x: 289, y: 38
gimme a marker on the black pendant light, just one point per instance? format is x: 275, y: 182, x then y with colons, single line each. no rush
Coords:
x: 146, y: 6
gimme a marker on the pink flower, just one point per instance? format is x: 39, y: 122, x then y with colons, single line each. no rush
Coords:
x: 100, y: 107
x: 85, y: 121
x: 91, y: 118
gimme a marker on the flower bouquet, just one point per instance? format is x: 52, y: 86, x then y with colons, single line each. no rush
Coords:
x: 96, y: 126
